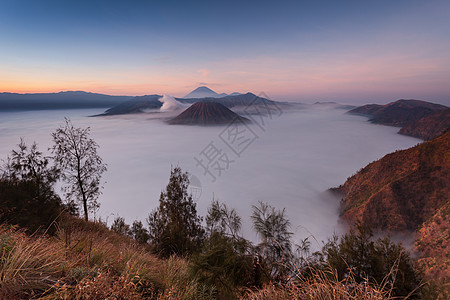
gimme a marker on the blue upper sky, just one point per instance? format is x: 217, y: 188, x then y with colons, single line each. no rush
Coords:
x: 348, y: 51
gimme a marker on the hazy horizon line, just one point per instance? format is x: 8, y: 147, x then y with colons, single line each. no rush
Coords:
x: 369, y: 99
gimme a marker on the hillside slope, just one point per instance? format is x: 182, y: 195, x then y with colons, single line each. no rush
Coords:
x: 430, y: 126
x: 402, y: 190
x: 433, y: 244
x: 407, y: 190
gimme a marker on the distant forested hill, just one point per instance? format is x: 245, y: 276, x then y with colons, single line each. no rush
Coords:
x: 417, y: 118
x: 61, y: 100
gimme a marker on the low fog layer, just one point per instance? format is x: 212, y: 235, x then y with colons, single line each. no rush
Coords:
x: 290, y: 162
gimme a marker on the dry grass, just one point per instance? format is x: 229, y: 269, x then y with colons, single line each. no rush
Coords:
x: 321, y: 285
x: 83, y: 261
x: 178, y: 284
x: 88, y: 261
x: 28, y: 265
x: 106, y: 265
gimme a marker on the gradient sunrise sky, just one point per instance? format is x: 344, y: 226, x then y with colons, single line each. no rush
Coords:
x: 346, y: 51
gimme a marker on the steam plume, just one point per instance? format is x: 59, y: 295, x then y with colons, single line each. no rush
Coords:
x: 170, y: 104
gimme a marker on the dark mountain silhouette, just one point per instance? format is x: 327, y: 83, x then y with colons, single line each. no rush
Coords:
x: 402, y: 190
x: 135, y: 105
x: 398, y: 113
x: 233, y: 101
x: 206, y: 113
x: 417, y: 118
x: 203, y: 92
x: 141, y: 103
x: 430, y: 126
x: 61, y: 100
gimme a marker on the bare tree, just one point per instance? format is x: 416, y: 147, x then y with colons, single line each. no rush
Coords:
x: 81, y: 167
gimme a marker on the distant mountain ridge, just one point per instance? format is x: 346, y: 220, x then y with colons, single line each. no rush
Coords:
x: 408, y: 113
x: 141, y: 103
x: 232, y: 101
x: 398, y: 113
x: 203, y: 92
x: 206, y: 113
x: 61, y: 100
x: 135, y: 105
x: 206, y: 92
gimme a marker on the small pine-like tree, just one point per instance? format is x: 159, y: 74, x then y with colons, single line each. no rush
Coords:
x: 273, y: 226
x: 225, y: 261
x: 175, y: 227
x: 27, y: 196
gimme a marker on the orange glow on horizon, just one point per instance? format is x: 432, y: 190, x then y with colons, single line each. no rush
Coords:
x: 288, y: 77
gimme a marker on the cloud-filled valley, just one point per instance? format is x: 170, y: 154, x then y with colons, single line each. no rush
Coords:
x: 290, y: 164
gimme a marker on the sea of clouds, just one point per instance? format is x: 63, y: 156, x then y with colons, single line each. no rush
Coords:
x: 289, y: 163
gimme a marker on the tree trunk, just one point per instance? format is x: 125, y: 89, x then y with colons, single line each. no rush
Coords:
x: 83, y: 194
x: 80, y: 184
x: 85, y: 208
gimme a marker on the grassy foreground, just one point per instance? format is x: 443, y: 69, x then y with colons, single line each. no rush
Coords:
x: 86, y: 260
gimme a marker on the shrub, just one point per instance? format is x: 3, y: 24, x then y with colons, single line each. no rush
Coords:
x: 378, y: 261
x: 27, y: 196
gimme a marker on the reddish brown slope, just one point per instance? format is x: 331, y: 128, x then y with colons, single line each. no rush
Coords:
x: 401, y: 190
x: 433, y: 242
x: 429, y: 127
